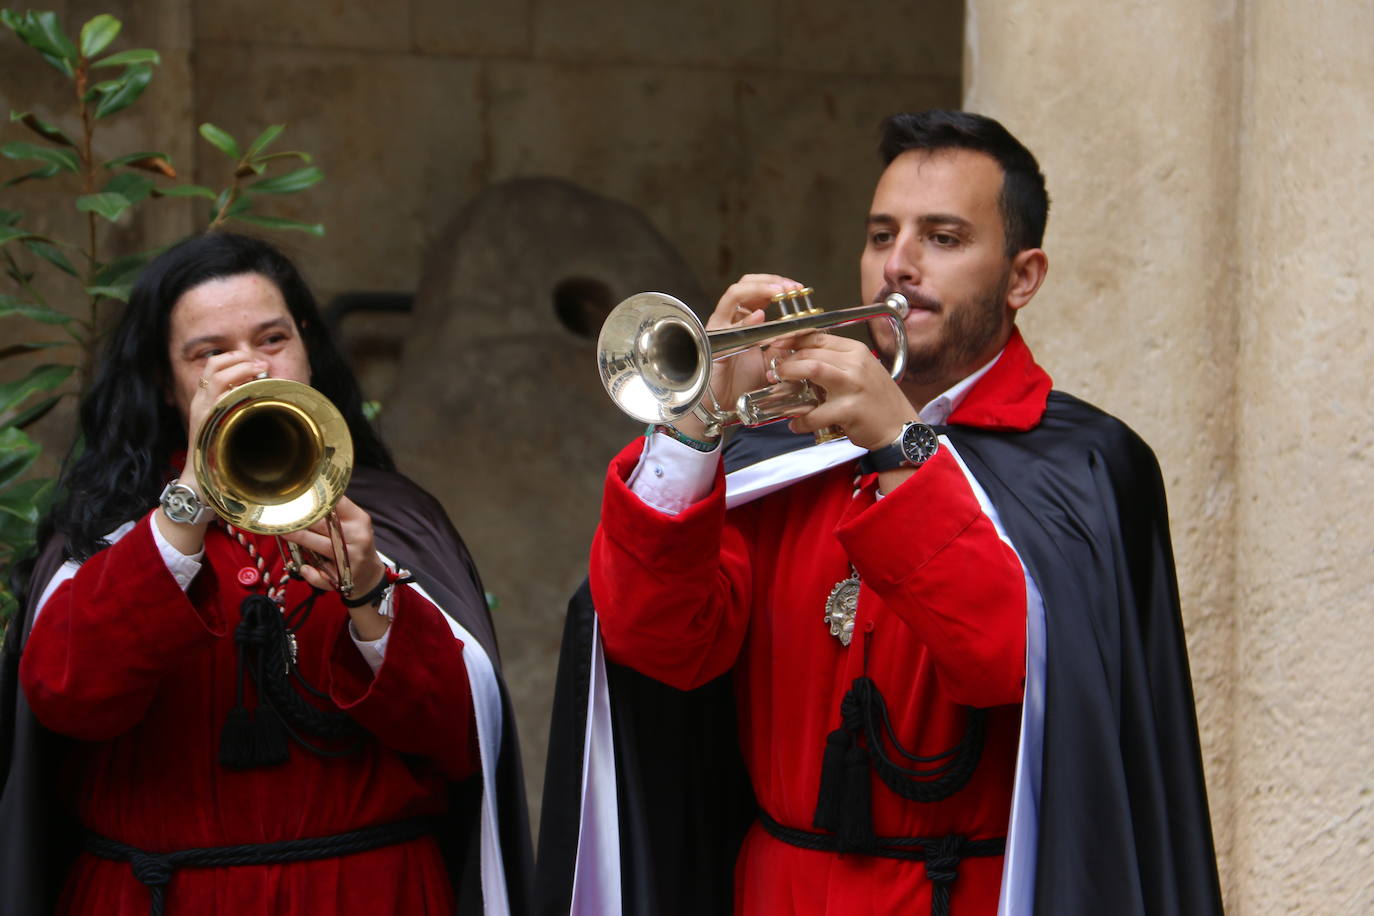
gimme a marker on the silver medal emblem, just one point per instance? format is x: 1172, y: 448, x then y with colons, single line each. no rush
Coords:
x: 841, y: 607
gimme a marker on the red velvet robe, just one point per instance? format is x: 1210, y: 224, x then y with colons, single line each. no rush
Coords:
x: 941, y: 624
x: 144, y: 674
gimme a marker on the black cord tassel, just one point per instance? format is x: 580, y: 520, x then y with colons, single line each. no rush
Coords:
x: 249, y: 739
x: 844, y: 805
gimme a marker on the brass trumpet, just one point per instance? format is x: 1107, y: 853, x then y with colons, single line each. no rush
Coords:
x: 275, y: 456
x: 655, y: 357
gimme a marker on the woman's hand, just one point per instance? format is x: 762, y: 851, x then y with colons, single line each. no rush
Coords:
x: 366, y: 566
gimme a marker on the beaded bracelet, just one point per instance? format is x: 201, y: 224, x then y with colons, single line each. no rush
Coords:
x: 680, y: 436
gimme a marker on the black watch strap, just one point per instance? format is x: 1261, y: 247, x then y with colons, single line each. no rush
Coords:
x: 913, y: 447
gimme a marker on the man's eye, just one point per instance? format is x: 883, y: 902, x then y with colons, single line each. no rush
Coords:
x: 880, y: 237
x: 207, y: 353
x: 945, y: 239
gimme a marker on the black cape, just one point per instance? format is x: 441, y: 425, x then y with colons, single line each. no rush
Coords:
x: 39, y: 838
x: 1124, y: 826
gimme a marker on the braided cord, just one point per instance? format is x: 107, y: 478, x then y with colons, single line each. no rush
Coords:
x: 155, y: 870
x: 941, y: 855
x: 914, y: 784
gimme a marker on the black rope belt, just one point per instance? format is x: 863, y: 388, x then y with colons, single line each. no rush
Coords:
x: 941, y: 855
x: 155, y: 869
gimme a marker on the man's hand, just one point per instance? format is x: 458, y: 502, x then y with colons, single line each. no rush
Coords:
x: 859, y: 394
x: 741, y: 305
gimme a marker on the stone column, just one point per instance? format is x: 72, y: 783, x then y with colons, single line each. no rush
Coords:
x: 1133, y: 111
x: 1212, y: 249
x: 1305, y: 463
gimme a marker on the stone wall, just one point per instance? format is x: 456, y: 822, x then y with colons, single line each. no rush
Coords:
x: 1211, y: 260
x: 742, y: 132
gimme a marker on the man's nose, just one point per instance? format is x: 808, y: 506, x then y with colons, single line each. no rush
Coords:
x: 902, y: 267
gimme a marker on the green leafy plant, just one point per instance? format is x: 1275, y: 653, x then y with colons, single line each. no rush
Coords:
x: 86, y: 276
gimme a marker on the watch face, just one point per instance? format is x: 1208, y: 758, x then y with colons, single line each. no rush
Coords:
x: 180, y: 503
x: 919, y: 442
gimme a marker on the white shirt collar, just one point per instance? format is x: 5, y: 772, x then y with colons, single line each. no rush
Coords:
x: 937, y: 412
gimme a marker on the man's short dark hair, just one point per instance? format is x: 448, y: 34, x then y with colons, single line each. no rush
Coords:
x: 1024, y: 202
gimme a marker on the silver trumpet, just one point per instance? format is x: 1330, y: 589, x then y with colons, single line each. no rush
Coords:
x: 275, y: 456
x: 655, y: 358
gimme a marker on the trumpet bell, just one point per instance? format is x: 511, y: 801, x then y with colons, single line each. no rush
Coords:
x: 654, y: 357
x: 273, y: 456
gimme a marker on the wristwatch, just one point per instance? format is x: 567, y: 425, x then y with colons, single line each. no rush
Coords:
x: 182, y: 504
x: 916, y: 444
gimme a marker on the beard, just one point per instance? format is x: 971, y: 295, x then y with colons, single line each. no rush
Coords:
x: 968, y: 331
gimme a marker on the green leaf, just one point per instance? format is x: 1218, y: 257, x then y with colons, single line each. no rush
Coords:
x: 33, y: 414
x: 26, y: 501
x: 185, y: 190
x: 10, y: 233
x: 221, y: 140
x: 134, y: 187
x: 107, y: 205
x: 42, y: 128
x: 97, y: 34
x: 62, y: 158
x: 12, y: 306
x: 276, y: 222
x: 160, y: 163
x: 296, y: 154
x: 46, y: 171
x: 122, y: 270
x: 112, y: 292
x: 289, y: 183
x: 124, y: 58
x: 55, y: 41
x: 264, y: 139
x: 135, y: 80
x: 52, y: 254
x: 41, y: 32
x: 30, y: 346
x: 17, y: 453
x: 15, y: 533
x: 40, y: 378
x: 14, y: 233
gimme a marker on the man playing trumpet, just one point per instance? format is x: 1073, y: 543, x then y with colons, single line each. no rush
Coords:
x: 954, y: 644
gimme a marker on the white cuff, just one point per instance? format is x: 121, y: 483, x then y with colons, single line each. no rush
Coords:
x: 373, y: 651
x: 671, y: 476
x: 182, y: 567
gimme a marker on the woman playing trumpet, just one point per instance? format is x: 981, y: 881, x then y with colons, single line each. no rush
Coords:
x: 338, y: 744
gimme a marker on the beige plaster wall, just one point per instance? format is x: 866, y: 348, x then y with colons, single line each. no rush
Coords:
x: 1210, y: 265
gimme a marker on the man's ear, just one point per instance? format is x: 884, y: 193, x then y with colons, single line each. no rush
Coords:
x: 1028, y: 270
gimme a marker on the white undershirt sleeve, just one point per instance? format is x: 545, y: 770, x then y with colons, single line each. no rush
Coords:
x: 182, y: 567
x: 671, y: 476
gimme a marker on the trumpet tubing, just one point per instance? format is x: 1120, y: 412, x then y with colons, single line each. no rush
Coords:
x: 655, y: 356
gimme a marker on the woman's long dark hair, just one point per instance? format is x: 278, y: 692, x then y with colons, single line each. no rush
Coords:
x: 129, y: 430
